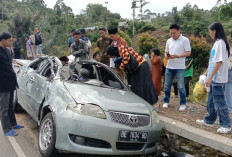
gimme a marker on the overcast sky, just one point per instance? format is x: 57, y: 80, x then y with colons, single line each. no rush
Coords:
x: 123, y: 7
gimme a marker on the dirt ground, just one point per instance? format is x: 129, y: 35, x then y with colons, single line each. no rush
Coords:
x: 193, y: 112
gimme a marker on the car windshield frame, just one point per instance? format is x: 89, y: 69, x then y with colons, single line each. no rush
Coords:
x: 96, y: 66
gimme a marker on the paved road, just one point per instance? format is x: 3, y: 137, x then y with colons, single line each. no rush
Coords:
x: 26, y: 143
x: 18, y: 146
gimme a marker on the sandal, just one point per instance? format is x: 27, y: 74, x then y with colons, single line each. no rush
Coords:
x: 223, y: 130
x: 156, y: 106
x: 17, y: 126
x: 11, y: 133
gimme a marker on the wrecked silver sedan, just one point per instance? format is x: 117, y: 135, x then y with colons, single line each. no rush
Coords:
x: 84, y: 107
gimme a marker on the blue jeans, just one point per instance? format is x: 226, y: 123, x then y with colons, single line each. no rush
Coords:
x: 216, y: 105
x: 39, y: 49
x: 228, y: 90
x: 169, y: 74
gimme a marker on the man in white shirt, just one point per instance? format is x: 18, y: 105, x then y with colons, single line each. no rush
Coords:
x: 177, y: 48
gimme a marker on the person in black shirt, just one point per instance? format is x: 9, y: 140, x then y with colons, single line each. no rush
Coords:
x: 17, y: 48
x: 8, y: 84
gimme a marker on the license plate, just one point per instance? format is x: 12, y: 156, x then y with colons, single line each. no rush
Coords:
x: 133, y: 136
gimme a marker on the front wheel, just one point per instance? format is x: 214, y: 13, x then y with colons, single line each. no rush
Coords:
x: 47, y: 136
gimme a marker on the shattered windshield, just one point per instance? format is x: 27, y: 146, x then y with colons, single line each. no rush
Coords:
x: 91, y: 73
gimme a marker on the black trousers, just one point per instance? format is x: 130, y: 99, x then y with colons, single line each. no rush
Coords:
x: 7, y: 114
x: 175, y: 88
x: 17, y: 55
x: 186, y: 83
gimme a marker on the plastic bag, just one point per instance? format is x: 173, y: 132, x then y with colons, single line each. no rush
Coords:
x: 202, y: 81
x: 199, y: 92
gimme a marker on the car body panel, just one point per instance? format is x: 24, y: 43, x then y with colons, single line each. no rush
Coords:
x: 108, y: 99
x: 102, y: 129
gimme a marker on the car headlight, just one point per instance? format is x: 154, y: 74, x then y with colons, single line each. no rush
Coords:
x: 88, y: 109
x: 154, y: 117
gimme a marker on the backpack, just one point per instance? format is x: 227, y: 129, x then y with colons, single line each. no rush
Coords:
x: 38, y: 38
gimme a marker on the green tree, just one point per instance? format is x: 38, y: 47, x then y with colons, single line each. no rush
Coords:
x: 175, y: 15
x: 146, y: 42
x: 225, y: 11
x: 200, y: 51
x: 125, y: 36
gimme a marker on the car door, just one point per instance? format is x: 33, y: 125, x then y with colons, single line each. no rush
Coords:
x: 38, y: 87
x: 24, y: 81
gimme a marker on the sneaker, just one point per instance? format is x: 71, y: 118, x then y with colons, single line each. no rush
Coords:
x: 202, y: 122
x: 223, y: 130
x: 182, y: 107
x: 165, y: 105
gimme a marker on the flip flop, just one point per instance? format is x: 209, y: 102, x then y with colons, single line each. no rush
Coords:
x: 17, y: 126
x: 11, y: 133
x: 157, y: 107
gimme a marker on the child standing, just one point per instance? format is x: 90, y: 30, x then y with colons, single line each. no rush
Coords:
x: 217, y: 76
x: 28, y: 47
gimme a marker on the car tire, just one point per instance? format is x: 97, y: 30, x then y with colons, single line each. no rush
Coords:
x: 47, y: 136
x: 16, y: 106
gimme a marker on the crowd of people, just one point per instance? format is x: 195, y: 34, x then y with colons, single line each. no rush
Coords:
x: 33, y: 46
x: 176, y: 70
x: 143, y: 73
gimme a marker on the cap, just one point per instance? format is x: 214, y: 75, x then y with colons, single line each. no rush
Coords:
x: 82, y: 31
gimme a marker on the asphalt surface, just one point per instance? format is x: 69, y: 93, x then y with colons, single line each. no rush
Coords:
x: 26, y: 143
x: 18, y: 146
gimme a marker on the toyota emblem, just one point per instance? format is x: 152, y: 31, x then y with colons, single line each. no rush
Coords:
x: 133, y: 119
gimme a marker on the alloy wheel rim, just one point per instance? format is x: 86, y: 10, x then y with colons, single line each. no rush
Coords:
x: 45, y: 135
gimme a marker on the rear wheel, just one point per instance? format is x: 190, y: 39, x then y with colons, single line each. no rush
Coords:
x: 16, y: 105
x: 47, y: 136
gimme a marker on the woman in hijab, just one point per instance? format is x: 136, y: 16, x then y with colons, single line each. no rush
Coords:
x: 138, y: 72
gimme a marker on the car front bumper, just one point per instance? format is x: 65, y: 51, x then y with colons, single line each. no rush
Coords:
x: 100, y: 136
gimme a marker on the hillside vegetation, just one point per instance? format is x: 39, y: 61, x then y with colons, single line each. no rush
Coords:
x: 20, y: 19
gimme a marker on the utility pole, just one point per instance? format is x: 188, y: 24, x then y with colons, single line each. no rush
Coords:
x: 133, y: 14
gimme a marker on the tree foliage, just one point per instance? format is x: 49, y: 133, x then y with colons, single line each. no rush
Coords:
x: 200, y: 51
x: 146, y: 42
x: 20, y: 18
x: 125, y: 36
x: 54, y: 24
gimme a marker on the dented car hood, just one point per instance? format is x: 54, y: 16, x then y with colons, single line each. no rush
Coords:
x: 109, y: 99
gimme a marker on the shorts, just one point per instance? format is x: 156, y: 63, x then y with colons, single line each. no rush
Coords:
x: 29, y: 53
